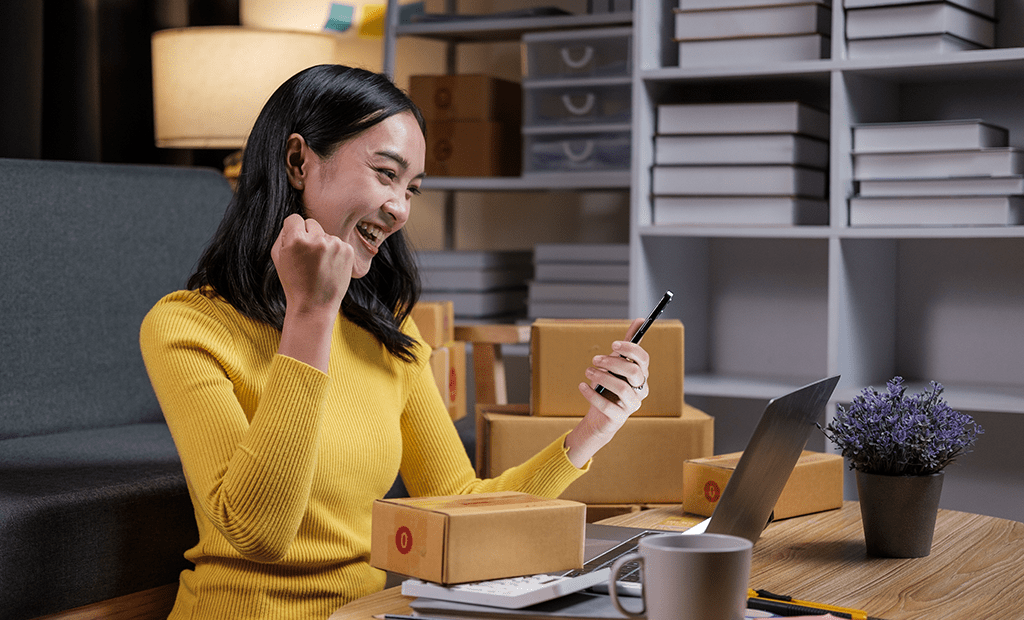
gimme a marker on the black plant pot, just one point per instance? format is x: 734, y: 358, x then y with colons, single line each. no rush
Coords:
x: 899, y: 513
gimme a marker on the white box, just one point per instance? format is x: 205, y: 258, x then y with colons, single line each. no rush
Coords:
x: 757, y: 21
x: 739, y: 211
x: 781, y: 148
x: 937, y: 211
x: 928, y: 136
x: 917, y: 19
x: 918, y: 44
x: 932, y: 164
x: 778, y: 180
x: 737, y: 117
x: 753, y: 50
x: 946, y: 186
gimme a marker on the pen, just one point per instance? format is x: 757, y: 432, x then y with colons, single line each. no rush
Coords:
x: 764, y: 600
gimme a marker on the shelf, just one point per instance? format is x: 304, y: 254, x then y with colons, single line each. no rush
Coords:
x: 491, y: 30
x: 837, y: 232
x: 582, y: 181
x: 772, y: 232
x: 962, y: 397
x: 759, y: 388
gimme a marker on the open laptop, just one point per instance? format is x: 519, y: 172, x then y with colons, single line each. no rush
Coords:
x: 744, y: 509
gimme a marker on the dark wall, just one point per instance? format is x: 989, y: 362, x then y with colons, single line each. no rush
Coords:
x: 76, y: 77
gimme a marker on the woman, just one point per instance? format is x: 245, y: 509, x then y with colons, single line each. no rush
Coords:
x: 293, y: 382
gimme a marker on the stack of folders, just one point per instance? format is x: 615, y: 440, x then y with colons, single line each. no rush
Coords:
x: 717, y: 32
x: 580, y: 281
x: 484, y: 285
x: 940, y: 173
x: 752, y: 164
x: 888, y: 27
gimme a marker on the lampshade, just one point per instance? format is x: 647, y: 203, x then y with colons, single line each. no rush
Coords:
x: 210, y: 83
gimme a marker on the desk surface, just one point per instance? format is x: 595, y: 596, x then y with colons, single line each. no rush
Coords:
x: 975, y: 570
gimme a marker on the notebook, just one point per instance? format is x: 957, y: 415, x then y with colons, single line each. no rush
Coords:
x: 744, y: 509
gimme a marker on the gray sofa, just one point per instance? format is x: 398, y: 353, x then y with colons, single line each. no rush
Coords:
x: 93, y: 503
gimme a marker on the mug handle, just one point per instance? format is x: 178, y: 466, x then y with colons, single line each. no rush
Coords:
x: 614, y: 576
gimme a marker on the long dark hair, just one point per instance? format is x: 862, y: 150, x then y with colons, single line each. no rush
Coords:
x: 326, y: 105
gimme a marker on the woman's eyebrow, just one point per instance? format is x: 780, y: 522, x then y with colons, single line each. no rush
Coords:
x: 398, y: 159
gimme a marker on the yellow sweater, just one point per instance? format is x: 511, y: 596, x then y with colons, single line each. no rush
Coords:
x: 283, y: 462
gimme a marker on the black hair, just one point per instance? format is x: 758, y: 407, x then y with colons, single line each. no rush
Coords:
x: 326, y: 105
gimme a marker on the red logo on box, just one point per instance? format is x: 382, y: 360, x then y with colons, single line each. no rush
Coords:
x: 403, y: 540
x: 453, y: 384
x: 711, y: 491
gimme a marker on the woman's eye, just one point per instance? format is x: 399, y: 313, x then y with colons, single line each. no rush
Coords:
x: 390, y: 174
x: 415, y: 191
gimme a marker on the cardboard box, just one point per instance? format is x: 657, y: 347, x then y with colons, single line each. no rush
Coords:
x: 436, y: 322
x: 816, y: 484
x: 457, y: 381
x: 642, y: 464
x: 562, y: 349
x: 474, y: 537
x: 467, y: 97
x: 440, y: 367
x: 473, y: 149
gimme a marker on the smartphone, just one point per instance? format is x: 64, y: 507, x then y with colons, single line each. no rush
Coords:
x: 667, y: 297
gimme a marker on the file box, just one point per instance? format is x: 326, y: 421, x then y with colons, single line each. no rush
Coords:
x: 578, y: 102
x: 466, y: 97
x: 642, y: 464
x: 472, y: 148
x: 465, y: 538
x: 562, y: 349
x: 594, y: 151
x: 816, y: 484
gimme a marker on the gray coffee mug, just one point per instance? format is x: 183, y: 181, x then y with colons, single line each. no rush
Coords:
x: 695, y: 577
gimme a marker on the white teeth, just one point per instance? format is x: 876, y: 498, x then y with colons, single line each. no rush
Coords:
x: 372, y: 232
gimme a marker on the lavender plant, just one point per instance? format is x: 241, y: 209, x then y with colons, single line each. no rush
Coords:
x: 894, y: 434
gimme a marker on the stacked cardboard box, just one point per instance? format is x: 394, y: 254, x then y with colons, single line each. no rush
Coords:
x: 643, y: 464
x: 473, y: 124
x: 436, y: 322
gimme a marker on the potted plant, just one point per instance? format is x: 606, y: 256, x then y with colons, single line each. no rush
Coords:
x: 899, y: 446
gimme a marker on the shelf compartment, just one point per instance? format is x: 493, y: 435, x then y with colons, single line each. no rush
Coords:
x: 481, y: 29
x: 753, y: 308
x: 946, y: 310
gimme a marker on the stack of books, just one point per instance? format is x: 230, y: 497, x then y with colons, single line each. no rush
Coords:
x: 740, y: 164
x: 580, y: 281
x: 716, y: 32
x: 484, y: 285
x: 886, y: 27
x: 940, y: 173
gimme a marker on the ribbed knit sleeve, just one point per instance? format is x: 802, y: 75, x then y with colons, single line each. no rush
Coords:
x: 249, y: 458
x: 434, y: 461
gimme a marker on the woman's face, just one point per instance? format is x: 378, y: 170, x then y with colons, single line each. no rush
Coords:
x: 361, y: 193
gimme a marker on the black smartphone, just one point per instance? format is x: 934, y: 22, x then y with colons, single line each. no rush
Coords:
x: 667, y: 297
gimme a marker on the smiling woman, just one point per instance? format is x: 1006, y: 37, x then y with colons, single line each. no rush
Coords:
x: 293, y: 381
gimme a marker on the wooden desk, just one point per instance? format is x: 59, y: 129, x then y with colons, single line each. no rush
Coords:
x: 975, y: 570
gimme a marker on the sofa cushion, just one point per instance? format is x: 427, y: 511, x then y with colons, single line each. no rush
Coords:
x: 89, y: 515
x: 87, y: 250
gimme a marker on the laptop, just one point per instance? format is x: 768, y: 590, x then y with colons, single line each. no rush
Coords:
x: 744, y: 509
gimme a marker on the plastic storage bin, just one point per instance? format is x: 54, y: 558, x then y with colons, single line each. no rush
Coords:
x: 601, y: 52
x: 578, y: 102
x: 576, y: 152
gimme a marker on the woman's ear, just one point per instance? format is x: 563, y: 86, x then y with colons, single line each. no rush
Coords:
x: 296, y: 153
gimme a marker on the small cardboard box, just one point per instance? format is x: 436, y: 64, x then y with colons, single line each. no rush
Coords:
x: 473, y: 149
x: 467, y: 97
x: 816, y: 484
x: 561, y: 350
x: 457, y: 381
x: 436, y: 322
x: 475, y: 537
x: 440, y: 367
x: 642, y: 464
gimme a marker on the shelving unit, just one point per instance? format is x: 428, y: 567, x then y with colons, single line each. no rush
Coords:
x: 771, y: 309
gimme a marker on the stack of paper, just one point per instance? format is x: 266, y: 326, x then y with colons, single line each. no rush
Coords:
x: 940, y: 173
x: 580, y: 281
x: 886, y: 27
x: 740, y: 164
x: 480, y: 284
x: 717, y: 32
